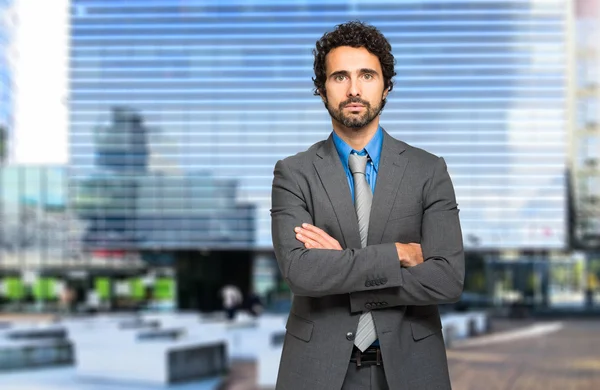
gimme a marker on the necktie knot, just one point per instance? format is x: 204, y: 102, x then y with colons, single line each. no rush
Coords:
x: 357, y: 164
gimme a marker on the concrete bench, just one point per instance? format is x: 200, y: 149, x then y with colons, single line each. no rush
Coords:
x: 138, y: 324
x: 153, y: 362
x: 463, y: 325
x: 37, y: 334
x: 160, y: 334
x: 35, y: 353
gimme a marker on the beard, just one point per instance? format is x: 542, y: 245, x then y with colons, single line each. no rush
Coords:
x: 354, y: 121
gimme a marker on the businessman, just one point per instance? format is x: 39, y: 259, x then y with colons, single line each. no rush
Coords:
x: 367, y: 236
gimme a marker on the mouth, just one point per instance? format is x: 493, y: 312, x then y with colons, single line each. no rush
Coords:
x: 354, y: 106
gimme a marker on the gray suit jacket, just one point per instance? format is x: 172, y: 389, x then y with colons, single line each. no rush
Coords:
x: 414, y: 201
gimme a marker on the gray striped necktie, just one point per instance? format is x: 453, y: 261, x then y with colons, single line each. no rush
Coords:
x: 363, y: 197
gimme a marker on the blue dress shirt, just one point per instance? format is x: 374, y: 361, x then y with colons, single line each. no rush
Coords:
x: 373, y: 149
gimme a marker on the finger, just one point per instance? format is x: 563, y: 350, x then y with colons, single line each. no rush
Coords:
x: 307, y: 241
x: 313, y: 236
x: 320, y: 232
x: 326, y: 244
x: 320, y: 241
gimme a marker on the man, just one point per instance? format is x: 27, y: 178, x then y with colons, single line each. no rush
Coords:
x: 367, y: 270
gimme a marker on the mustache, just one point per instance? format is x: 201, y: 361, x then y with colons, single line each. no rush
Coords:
x: 354, y: 100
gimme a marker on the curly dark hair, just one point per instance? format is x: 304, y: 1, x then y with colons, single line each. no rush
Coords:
x: 354, y: 34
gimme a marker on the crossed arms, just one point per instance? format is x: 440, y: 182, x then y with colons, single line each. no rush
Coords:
x: 324, y: 268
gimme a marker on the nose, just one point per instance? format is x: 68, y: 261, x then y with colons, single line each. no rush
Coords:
x: 353, y: 88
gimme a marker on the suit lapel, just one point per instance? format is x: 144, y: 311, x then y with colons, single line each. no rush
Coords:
x: 389, y: 176
x: 332, y: 175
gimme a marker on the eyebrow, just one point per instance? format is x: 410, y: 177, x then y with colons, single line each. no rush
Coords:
x: 346, y: 73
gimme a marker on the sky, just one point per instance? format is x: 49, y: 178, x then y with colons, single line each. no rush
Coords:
x: 41, y: 83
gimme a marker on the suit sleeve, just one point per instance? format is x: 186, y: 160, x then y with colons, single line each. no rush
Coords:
x: 321, y: 272
x: 439, y: 279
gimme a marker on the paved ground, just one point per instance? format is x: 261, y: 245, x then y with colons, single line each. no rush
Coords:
x: 568, y: 359
x: 563, y: 359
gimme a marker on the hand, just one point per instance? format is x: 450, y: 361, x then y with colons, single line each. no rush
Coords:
x: 314, y: 238
x: 409, y: 254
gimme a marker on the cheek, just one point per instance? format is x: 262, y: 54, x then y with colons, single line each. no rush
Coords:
x: 334, y: 94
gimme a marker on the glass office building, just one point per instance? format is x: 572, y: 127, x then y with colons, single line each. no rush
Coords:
x: 129, y: 205
x: 36, y: 223
x: 225, y: 90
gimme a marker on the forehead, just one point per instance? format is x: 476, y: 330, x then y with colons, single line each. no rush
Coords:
x: 350, y: 59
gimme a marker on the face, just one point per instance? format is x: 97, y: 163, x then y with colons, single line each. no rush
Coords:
x: 354, y: 86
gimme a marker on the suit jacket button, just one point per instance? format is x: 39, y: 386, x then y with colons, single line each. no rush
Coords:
x: 383, y: 280
x: 384, y: 303
x: 368, y: 305
x: 378, y: 304
x: 350, y: 336
x: 368, y: 283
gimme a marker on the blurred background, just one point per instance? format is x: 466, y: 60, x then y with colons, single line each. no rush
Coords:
x: 137, y: 146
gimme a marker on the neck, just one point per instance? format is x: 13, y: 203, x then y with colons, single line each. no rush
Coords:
x: 356, y: 138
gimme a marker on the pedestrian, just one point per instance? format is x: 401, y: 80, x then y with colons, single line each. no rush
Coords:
x: 366, y: 233
x: 232, y: 298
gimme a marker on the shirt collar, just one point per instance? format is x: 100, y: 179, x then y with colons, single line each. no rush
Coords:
x: 373, y: 148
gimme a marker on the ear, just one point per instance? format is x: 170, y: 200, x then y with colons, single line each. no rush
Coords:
x: 385, y: 93
x: 323, y: 96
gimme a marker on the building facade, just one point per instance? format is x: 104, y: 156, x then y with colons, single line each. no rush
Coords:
x: 225, y: 89
x: 585, y: 144
x: 228, y: 88
x: 36, y: 222
x: 129, y: 206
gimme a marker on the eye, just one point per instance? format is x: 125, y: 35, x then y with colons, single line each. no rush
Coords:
x: 368, y: 76
x: 339, y: 77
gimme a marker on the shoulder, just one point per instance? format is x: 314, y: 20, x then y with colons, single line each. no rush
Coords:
x: 421, y: 163
x: 420, y: 156
x: 303, y: 159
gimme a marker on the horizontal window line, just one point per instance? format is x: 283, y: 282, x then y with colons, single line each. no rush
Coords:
x: 556, y: 123
x: 504, y: 197
x: 390, y: 35
x: 505, y: 176
x: 228, y: 102
x: 527, y: 111
x: 234, y: 3
x: 272, y: 12
x: 503, y: 188
x: 279, y: 57
x: 199, y: 187
x: 247, y: 14
x: 76, y: 27
x: 161, y: 91
x: 92, y: 168
x: 218, y: 144
x: 519, y: 220
x: 474, y: 165
x: 278, y: 46
x: 530, y: 154
x: 272, y: 69
x: 279, y: 79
